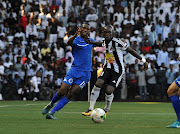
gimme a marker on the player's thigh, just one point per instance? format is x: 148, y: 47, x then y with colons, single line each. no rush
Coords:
x: 64, y: 89
x: 173, y: 89
x: 103, y: 77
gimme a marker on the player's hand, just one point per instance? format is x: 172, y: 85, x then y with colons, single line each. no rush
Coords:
x: 78, y: 31
x: 145, y: 65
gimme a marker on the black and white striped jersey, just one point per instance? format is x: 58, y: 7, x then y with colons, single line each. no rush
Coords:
x: 114, y: 54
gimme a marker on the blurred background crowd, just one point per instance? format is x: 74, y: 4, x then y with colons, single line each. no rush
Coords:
x: 34, y: 56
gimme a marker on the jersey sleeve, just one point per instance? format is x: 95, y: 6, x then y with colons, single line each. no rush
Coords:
x: 121, y: 44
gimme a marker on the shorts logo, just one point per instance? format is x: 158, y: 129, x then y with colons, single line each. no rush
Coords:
x: 70, y: 80
x: 65, y: 80
x: 114, y: 81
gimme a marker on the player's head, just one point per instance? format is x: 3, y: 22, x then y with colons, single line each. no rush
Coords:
x: 85, y: 30
x: 108, y: 32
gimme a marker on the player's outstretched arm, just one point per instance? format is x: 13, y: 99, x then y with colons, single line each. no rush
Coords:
x: 99, y: 44
x: 70, y: 41
x: 135, y: 54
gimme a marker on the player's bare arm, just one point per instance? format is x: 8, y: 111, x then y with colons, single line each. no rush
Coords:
x: 70, y: 41
x: 135, y: 54
x: 99, y: 44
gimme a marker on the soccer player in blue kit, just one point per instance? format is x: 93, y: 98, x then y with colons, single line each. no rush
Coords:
x: 79, y: 74
x: 174, y: 93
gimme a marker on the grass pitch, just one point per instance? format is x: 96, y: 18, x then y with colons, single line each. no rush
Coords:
x: 24, y: 117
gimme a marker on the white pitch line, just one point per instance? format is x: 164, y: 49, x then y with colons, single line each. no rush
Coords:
x: 20, y: 105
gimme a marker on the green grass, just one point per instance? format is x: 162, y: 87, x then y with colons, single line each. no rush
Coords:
x: 24, y: 117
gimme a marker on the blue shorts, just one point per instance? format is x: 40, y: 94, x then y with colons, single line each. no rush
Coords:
x: 78, y: 77
x: 177, y: 81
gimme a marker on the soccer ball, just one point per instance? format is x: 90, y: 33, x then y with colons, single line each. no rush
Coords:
x: 98, y: 115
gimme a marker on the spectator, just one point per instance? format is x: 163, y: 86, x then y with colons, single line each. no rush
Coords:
x: 141, y: 76
x: 162, y: 81
x: 31, y: 31
x: 163, y: 57
x: 53, y: 31
x: 131, y: 82
x: 54, y: 7
x: 152, y: 37
x: 35, y: 85
x: 60, y: 50
x: 170, y: 74
x: 61, y: 31
x: 91, y: 18
x: 152, y: 82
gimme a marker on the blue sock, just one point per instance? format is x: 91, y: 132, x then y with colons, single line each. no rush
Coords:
x: 62, y: 102
x: 176, y: 104
x: 55, y: 98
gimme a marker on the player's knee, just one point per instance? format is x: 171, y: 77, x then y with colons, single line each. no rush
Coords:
x: 171, y: 92
x: 109, y: 89
x: 99, y: 83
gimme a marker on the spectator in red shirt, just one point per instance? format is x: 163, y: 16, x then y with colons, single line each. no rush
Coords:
x: 23, y: 21
x: 54, y: 6
x: 146, y: 46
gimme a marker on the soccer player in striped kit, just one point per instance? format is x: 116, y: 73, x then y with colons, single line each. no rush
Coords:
x: 113, y: 69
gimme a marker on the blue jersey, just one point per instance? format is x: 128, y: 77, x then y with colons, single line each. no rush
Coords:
x: 177, y: 81
x: 82, y: 53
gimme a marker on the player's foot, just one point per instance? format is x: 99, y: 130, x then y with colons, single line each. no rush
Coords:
x: 87, y: 113
x: 50, y: 116
x: 106, y: 111
x: 176, y: 124
x: 46, y: 109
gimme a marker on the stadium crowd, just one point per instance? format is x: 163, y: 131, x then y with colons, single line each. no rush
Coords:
x: 34, y: 56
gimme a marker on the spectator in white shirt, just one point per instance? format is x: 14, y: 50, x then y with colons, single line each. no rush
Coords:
x: 110, y: 9
x: 119, y: 15
x: 31, y: 31
x: 106, y: 2
x: 19, y: 33
x: 141, y: 9
x: 163, y: 57
x: 7, y: 63
x: 172, y: 14
x: 68, y: 64
x: 176, y: 25
x: 136, y: 37
x: 41, y: 29
x: 161, y: 15
x: 151, y: 55
x: 147, y: 28
x: 35, y: 83
x: 2, y: 43
x: 61, y: 31
x: 166, y: 31
x: 8, y: 53
x: 59, y: 50
x: 92, y: 18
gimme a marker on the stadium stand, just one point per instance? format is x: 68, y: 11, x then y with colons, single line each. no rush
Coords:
x: 34, y: 56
